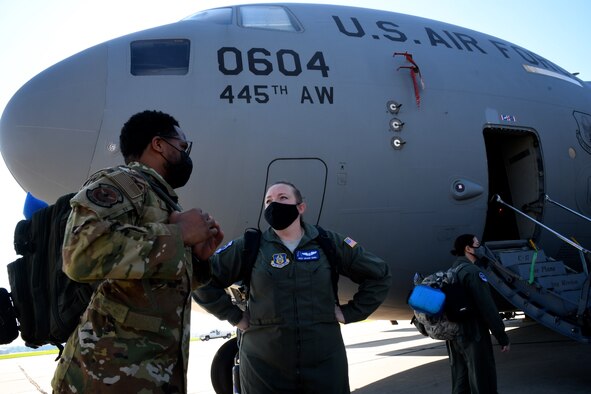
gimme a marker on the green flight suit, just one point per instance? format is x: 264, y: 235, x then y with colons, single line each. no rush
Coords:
x: 294, y: 342
x: 471, y: 355
x: 134, y: 335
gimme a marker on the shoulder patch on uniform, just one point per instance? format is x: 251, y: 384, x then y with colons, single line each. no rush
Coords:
x: 350, y: 242
x: 226, y: 246
x: 104, y: 195
x: 482, y: 276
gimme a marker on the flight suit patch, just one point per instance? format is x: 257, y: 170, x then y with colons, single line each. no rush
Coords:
x: 280, y: 260
x: 350, y: 242
x: 307, y: 255
x: 226, y: 246
x: 104, y: 195
x: 482, y: 276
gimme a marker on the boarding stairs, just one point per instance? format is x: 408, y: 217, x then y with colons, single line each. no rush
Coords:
x: 553, y: 292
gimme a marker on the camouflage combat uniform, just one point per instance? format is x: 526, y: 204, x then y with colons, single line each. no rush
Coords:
x: 134, y: 335
x: 471, y: 355
x: 294, y: 343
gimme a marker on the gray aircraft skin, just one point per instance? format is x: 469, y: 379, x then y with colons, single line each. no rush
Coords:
x: 401, y: 157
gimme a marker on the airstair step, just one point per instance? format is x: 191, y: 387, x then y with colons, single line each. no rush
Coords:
x: 513, y: 257
x: 572, y: 295
x: 562, y: 283
x: 553, y: 299
x: 507, y: 244
x: 546, y: 268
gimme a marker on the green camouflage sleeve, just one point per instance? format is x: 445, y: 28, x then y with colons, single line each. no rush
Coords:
x: 104, y: 237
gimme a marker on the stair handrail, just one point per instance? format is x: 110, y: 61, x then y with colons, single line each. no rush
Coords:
x: 584, y: 259
x: 547, y: 198
x: 498, y: 199
x: 586, y: 254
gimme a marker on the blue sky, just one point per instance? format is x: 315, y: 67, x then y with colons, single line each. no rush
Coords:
x: 34, y: 34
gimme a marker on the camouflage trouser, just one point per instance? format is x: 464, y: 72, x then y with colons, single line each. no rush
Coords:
x: 118, y: 361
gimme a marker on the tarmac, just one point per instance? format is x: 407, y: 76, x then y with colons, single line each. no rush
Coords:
x: 386, y: 358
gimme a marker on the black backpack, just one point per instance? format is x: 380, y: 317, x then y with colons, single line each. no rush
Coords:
x: 47, y: 304
x: 8, y: 326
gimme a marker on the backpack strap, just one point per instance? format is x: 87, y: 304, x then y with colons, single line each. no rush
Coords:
x: 173, y: 205
x: 250, y: 251
x: 164, y: 196
x: 328, y: 247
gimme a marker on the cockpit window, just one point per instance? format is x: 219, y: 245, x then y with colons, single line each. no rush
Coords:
x: 221, y: 16
x: 160, y: 57
x: 270, y: 17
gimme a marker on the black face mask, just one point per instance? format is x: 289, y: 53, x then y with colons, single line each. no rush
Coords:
x: 280, y: 216
x: 178, y: 174
x: 479, y: 252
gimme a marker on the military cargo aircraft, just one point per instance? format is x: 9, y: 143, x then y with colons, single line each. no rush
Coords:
x: 402, y: 132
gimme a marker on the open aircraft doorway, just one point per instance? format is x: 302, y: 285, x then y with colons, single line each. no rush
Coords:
x: 515, y: 173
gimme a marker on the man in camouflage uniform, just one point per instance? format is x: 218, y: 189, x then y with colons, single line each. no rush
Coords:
x: 125, y: 236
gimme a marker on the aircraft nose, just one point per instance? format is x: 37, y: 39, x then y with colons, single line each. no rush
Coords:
x: 49, y: 128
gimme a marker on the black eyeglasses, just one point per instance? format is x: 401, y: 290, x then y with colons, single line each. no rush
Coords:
x: 187, y: 150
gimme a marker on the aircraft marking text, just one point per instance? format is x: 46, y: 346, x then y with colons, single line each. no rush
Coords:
x: 230, y: 62
x: 262, y: 94
x: 443, y: 38
x: 262, y: 62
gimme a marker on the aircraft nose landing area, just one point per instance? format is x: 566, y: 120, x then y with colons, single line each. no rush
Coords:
x: 385, y: 358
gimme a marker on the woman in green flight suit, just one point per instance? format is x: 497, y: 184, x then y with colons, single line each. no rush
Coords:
x: 291, y: 339
x: 471, y: 355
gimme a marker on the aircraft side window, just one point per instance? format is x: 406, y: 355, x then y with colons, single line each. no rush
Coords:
x: 584, y: 130
x: 160, y: 57
x: 271, y: 17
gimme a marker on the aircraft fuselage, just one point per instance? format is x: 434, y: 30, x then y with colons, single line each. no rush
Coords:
x: 400, y: 156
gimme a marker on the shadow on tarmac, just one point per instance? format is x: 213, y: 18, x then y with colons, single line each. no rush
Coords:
x: 540, y: 361
x: 389, y: 341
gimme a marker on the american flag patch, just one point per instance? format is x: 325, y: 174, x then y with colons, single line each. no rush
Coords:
x: 350, y: 242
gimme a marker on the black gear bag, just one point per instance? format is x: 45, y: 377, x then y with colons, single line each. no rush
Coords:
x: 8, y: 326
x: 46, y: 303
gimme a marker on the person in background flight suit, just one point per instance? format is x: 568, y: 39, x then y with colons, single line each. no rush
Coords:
x: 471, y: 355
x: 122, y: 235
x: 291, y: 339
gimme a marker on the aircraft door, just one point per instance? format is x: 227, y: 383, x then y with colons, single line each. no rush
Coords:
x: 308, y: 175
x: 516, y: 174
x: 583, y: 189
